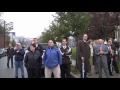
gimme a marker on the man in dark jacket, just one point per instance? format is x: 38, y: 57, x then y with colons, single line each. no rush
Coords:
x: 66, y: 52
x: 10, y: 53
x: 84, y: 56
x: 38, y: 46
x: 19, y: 56
x: 112, y: 54
x: 32, y: 62
x: 40, y: 49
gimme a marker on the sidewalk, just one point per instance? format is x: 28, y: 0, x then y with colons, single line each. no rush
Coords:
x: 93, y: 73
x: 73, y: 62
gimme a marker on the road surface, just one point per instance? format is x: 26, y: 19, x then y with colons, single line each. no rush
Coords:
x: 8, y: 72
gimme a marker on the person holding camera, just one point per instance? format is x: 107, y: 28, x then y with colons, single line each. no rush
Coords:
x: 19, y: 56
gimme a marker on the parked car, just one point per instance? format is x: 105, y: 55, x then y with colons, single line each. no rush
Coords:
x: 5, y: 51
x: 2, y: 52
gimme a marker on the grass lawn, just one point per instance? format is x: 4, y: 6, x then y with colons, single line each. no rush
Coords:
x: 73, y: 53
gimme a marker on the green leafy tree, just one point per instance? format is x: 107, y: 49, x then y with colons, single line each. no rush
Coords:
x: 13, y: 43
x: 103, y: 24
x: 7, y: 41
x: 65, y: 22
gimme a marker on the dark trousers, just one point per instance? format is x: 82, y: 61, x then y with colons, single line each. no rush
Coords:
x: 33, y: 72
x: 109, y: 67
x: 115, y: 66
x: 65, y: 70
x: 8, y: 59
x: 40, y: 72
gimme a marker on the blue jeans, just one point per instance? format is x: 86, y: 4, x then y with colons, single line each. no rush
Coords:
x: 17, y: 65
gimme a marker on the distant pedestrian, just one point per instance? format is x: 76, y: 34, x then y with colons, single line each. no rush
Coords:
x: 52, y: 60
x: 32, y: 62
x: 19, y: 56
x: 10, y: 54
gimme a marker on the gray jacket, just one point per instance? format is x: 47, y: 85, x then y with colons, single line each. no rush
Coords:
x: 105, y: 52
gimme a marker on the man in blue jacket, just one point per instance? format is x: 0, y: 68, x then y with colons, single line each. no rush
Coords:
x: 19, y: 56
x: 52, y: 60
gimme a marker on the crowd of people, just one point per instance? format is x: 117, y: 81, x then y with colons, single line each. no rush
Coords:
x: 105, y: 54
x: 56, y: 62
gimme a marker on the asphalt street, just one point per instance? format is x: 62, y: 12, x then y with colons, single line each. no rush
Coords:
x: 8, y: 72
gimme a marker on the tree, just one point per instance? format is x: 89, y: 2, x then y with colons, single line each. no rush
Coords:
x: 7, y: 41
x: 103, y: 24
x: 5, y: 26
x: 65, y: 22
x: 13, y: 43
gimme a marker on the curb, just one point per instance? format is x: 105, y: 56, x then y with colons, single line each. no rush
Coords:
x: 75, y: 76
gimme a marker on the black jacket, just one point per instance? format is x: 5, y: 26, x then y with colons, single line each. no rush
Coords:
x: 66, y: 54
x: 10, y: 52
x: 20, y: 55
x: 32, y: 59
x: 39, y: 48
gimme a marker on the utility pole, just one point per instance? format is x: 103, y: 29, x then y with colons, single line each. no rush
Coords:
x: 4, y: 33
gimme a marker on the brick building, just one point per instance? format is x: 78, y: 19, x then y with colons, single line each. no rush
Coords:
x: 2, y: 41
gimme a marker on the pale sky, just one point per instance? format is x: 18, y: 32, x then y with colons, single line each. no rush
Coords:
x: 29, y: 24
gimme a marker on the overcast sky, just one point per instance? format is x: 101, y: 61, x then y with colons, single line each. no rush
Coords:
x: 29, y: 24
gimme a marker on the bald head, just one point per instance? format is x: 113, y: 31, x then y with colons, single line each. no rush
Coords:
x: 85, y: 37
x: 100, y: 41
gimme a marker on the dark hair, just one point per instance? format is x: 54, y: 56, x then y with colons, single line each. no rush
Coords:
x: 53, y: 41
x: 34, y: 38
x: 65, y: 39
x: 33, y: 45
